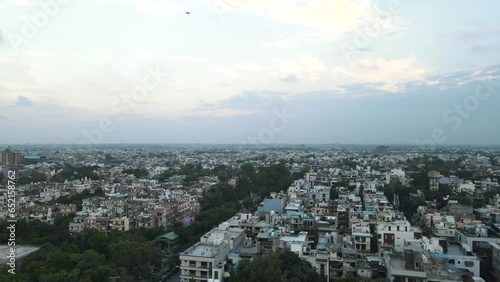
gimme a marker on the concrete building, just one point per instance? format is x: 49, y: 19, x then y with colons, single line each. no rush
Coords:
x: 496, y: 202
x: 405, y: 267
x: 204, y: 262
x: 414, y: 265
x: 319, y: 193
x: 394, y: 234
x: 461, y: 258
x: 444, y: 226
x: 434, y: 177
x: 362, y: 237
x: 10, y: 157
x: 277, y: 205
x: 120, y: 224
x: 474, y: 240
x: 495, y: 259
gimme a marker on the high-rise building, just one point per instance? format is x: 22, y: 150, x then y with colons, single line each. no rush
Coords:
x: 434, y: 177
x: 10, y: 157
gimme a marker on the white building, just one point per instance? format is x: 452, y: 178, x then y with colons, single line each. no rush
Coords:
x: 395, y: 233
x: 204, y: 262
x: 361, y: 234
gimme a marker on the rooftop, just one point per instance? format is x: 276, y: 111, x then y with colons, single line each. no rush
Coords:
x: 21, y: 251
x: 200, y: 250
x: 455, y: 249
x: 168, y: 236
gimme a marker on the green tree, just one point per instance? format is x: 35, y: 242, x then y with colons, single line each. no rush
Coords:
x: 278, y: 266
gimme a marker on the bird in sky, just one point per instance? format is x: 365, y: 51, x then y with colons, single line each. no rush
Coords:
x: 189, y: 13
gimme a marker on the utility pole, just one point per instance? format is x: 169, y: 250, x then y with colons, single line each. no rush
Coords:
x: 114, y: 278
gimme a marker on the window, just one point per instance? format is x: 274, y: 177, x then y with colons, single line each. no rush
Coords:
x: 451, y: 261
x: 469, y: 263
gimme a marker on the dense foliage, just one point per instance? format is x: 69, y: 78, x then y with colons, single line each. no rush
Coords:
x: 138, y: 172
x: 88, y: 256
x: 279, y: 266
x: 70, y: 172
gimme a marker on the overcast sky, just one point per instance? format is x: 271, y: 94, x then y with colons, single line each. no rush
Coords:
x: 258, y: 71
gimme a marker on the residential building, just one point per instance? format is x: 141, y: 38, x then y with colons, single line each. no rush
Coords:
x: 393, y: 234
x: 10, y: 157
x: 204, y: 262
x: 434, y: 177
x: 495, y: 259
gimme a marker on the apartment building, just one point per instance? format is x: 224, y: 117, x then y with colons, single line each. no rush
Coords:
x: 119, y: 224
x: 10, y: 157
x: 204, y: 262
x: 145, y: 220
x: 393, y: 234
x: 461, y: 258
x: 495, y: 259
x: 362, y: 237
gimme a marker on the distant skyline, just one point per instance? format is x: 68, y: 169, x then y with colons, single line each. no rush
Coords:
x: 261, y: 71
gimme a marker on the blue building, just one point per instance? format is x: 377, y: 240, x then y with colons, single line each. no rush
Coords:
x: 277, y: 205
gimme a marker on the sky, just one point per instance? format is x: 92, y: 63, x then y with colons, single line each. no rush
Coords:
x: 249, y: 71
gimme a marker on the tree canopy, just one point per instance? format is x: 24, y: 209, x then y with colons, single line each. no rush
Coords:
x: 278, y: 266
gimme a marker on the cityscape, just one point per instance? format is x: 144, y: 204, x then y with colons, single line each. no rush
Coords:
x: 249, y: 141
x: 202, y: 212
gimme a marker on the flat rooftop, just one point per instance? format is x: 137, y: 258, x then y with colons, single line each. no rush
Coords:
x: 21, y: 251
x: 455, y: 249
x: 399, y: 269
x: 200, y: 250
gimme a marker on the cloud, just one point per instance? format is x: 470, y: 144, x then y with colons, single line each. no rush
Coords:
x: 340, y: 15
x: 24, y: 102
x: 150, y: 7
x: 383, y: 74
x: 302, y: 39
x: 249, y: 100
x: 290, y: 78
x: 1, y: 37
x: 305, y: 68
x: 187, y: 59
